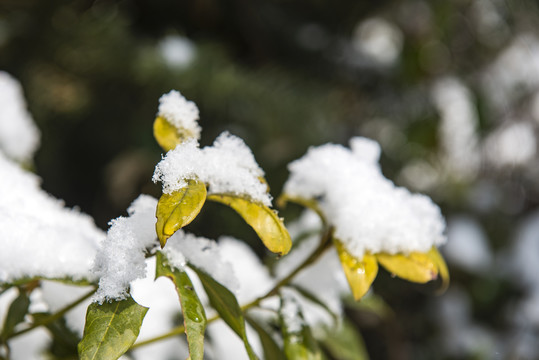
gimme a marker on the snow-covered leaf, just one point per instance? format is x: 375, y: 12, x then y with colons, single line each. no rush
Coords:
x: 178, y: 209
x: 167, y: 135
x: 359, y: 273
x: 110, y: 329
x: 262, y: 219
x: 194, y: 316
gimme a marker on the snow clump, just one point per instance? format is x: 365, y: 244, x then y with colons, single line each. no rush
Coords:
x: 121, y: 259
x: 180, y: 112
x: 39, y: 237
x: 227, y: 167
x: 369, y: 213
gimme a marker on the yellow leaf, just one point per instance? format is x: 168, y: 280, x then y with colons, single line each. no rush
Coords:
x: 306, y: 203
x: 439, y: 261
x: 269, y: 228
x: 416, y: 266
x: 167, y: 135
x: 359, y: 273
x: 178, y: 209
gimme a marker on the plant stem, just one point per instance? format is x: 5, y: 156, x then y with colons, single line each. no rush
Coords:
x: 56, y: 315
x: 322, y: 247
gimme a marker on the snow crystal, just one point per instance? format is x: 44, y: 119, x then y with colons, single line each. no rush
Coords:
x: 38, y: 235
x: 204, y: 254
x: 121, y: 259
x: 368, y: 211
x: 227, y: 167
x: 19, y: 136
x: 180, y: 112
x: 290, y: 311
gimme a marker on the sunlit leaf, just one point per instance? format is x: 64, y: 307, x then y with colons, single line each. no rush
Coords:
x: 262, y: 219
x: 110, y: 329
x: 15, y: 314
x: 194, y: 316
x: 417, y: 267
x: 299, y: 343
x: 167, y: 135
x: 439, y: 261
x: 307, y: 203
x: 359, y: 273
x: 226, y: 305
x: 178, y: 209
x: 271, y: 349
x: 345, y: 343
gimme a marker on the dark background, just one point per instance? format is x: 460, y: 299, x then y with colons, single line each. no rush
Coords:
x: 285, y: 75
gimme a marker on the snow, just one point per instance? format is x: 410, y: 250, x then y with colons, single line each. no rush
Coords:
x: 368, y: 211
x: 458, y: 128
x: 204, y: 254
x: 19, y: 136
x: 227, y: 167
x: 379, y: 39
x: 177, y: 51
x: 121, y: 259
x: 38, y: 235
x: 511, y: 145
x: 468, y: 245
x: 180, y: 112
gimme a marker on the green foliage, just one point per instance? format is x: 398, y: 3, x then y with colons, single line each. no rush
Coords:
x: 299, y: 343
x: 111, y: 329
x: 15, y: 314
x: 194, y: 316
x: 344, y: 342
x: 226, y: 305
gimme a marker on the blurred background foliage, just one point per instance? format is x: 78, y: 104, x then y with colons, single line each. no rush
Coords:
x: 450, y: 89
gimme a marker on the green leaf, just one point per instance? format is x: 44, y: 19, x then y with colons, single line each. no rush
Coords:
x: 439, y: 261
x: 226, y: 305
x: 178, y: 209
x: 269, y: 228
x: 374, y: 304
x: 313, y: 298
x: 64, y: 340
x: 359, y: 273
x: 194, y: 316
x: 271, y: 349
x: 110, y: 329
x: 167, y: 135
x: 299, y: 344
x: 416, y: 267
x: 345, y: 343
x: 15, y: 314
